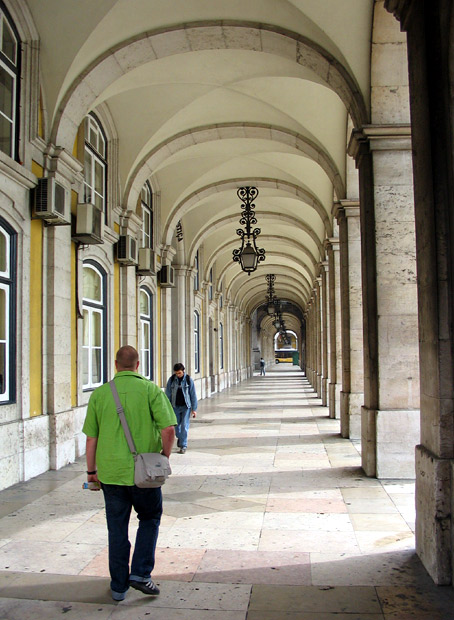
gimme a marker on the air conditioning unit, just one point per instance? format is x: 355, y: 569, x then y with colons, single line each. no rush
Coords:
x: 89, y: 224
x: 127, y: 250
x: 52, y: 202
x: 147, y: 262
x: 167, y: 276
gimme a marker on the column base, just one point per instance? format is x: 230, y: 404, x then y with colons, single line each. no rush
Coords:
x: 351, y: 403
x: 334, y: 390
x: 388, y: 439
x: 324, y: 395
x: 434, y: 526
x: 318, y: 385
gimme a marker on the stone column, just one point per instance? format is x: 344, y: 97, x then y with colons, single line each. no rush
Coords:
x: 390, y: 416
x: 312, y: 339
x: 182, y: 322
x: 335, y: 348
x: 190, y: 321
x: 324, y: 332
x: 351, y: 396
x: 429, y: 42
x: 318, y: 332
x: 166, y: 320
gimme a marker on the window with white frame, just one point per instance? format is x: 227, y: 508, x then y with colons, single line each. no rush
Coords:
x: 146, y: 333
x: 146, y: 199
x: 95, y: 163
x: 9, y: 84
x: 221, y: 345
x: 196, y: 269
x: 196, y: 341
x: 210, y: 287
x: 7, y: 313
x: 94, y: 326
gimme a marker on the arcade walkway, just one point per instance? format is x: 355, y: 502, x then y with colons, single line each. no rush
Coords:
x: 267, y: 517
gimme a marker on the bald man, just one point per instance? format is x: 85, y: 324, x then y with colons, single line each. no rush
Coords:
x: 152, y: 421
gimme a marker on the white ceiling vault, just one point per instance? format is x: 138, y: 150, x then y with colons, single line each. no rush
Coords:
x: 206, y: 96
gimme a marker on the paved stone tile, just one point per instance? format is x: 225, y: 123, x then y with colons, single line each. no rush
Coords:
x: 56, y: 587
x: 331, y: 506
x: 381, y: 542
x: 371, y: 505
x: 315, y: 599
x: 53, y: 557
x: 308, y: 541
x: 285, y: 615
x: 349, y: 493
x: 391, y: 568
x: 379, y: 522
x: 314, y: 522
x: 255, y: 567
x: 18, y: 609
x: 208, y: 538
x: 226, y: 520
x: 200, y: 596
x: 143, y: 613
x: 177, y: 564
x: 438, y: 601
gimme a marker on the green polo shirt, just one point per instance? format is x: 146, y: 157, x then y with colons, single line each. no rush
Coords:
x: 147, y: 411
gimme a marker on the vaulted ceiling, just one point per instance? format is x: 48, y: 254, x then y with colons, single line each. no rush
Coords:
x: 208, y: 95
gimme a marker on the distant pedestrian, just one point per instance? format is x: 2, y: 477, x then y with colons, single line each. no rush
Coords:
x: 180, y: 390
x: 262, y: 367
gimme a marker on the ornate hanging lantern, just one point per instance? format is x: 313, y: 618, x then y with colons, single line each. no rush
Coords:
x: 248, y: 255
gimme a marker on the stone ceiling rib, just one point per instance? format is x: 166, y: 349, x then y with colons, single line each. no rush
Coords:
x: 197, y: 135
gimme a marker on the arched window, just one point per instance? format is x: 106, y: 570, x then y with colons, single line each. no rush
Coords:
x: 95, y: 163
x: 147, y: 216
x: 7, y: 313
x: 94, y: 326
x: 9, y: 84
x: 146, y: 333
x: 221, y: 345
x: 196, y: 341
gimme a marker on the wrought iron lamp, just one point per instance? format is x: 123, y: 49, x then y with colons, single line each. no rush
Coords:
x: 248, y: 255
x: 271, y: 307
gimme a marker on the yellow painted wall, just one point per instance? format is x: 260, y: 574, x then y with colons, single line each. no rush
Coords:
x: 36, y: 310
x: 117, y: 308
x: 158, y: 338
x: 74, y: 302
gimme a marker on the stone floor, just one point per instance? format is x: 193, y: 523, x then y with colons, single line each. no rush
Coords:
x: 268, y: 516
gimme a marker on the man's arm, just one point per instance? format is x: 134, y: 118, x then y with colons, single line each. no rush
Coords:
x: 168, y: 437
x: 91, y: 444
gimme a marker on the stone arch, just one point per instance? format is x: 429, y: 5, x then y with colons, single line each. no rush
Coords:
x: 198, y: 135
x: 273, y: 238
x: 299, y: 191
x: 198, y: 36
x: 280, y: 217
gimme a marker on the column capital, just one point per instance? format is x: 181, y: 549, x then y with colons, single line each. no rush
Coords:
x: 401, y: 9
x: 350, y: 208
x: 379, y: 138
x: 332, y: 243
x: 181, y: 270
x: 168, y: 252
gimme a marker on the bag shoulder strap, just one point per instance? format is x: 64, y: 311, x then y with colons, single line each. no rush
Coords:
x: 121, y: 415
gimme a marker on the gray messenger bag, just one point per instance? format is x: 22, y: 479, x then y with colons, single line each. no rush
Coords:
x: 151, y: 469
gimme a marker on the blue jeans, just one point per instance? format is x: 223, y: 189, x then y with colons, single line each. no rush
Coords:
x: 183, y: 414
x: 148, y: 504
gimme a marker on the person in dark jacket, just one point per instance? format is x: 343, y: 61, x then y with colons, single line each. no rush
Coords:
x: 180, y: 390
